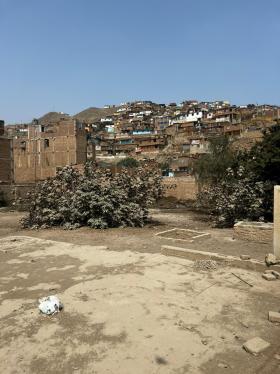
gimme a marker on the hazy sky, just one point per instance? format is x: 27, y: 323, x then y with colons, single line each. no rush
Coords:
x: 67, y: 55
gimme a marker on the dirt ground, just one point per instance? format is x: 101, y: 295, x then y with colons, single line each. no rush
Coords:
x: 129, y: 309
x: 144, y: 239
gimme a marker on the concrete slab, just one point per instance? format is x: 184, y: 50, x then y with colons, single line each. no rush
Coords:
x: 256, y: 345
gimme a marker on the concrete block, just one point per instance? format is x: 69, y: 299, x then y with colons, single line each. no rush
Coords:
x: 269, y: 277
x: 276, y: 274
x: 193, y: 255
x: 256, y: 345
x: 274, y: 317
x: 245, y: 257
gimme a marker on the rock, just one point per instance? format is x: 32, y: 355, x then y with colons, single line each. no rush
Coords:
x: 223, y: 366
x: 161, y: 360
x: 274, y: 316
x: 245, y: 257
x: 277, y: 357
x: 255, y: 345
x: 269, y: 277
x: 271, y: 259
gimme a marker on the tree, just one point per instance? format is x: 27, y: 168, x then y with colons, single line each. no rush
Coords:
x: 263, y: 161
x: 210, y: 168
x: 239, y: 185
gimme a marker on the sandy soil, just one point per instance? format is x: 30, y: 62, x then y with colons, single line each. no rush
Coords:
x: 129, y: 309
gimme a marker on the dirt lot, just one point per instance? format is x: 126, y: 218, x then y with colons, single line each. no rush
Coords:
x: 144, y: 239
x: 129, y: 309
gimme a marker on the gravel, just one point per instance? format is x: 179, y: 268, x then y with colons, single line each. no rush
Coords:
x: 206, y: 265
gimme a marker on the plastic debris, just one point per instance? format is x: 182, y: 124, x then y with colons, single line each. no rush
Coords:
x: 50, y: 305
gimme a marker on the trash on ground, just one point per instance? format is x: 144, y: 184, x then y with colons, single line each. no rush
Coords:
x: 50, y: 305
x: 243, y: 280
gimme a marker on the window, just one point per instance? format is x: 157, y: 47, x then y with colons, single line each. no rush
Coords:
x: 23, y: 145
x: 46, y: 143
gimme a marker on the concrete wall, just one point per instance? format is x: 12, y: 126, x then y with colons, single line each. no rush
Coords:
x: 182, y: 188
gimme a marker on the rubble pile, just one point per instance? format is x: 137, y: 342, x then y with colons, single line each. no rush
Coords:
x: 205, y: 265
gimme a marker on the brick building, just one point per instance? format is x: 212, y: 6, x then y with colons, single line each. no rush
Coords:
x: 5, y: 157
x: 48, y: 147
x: 1, y: 128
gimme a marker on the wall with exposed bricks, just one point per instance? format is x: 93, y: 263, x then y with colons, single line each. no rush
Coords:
x: 182, y: 188
x: 254, y: 231
x: 5, y: 160
x: 38, y: 156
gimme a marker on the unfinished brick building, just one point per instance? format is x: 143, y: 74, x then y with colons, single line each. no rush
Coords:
x: 48, y: 147
x: 5, y: 157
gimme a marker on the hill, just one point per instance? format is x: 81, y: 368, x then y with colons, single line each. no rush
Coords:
x: 52, y: 117
x: 93, y: 114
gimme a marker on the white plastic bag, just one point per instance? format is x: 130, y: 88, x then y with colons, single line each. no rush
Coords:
x: 50, y: 305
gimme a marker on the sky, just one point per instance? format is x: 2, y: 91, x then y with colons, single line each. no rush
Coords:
x: 67, y: 55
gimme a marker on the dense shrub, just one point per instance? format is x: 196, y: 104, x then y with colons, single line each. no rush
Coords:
x: 236, y: 197
x: 95, y: 198
x: 263, y: 163
x: 239, y: 185
x: 128, y: 162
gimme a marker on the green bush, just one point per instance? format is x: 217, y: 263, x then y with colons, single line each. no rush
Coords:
x: 128, y: 162
x: 95, y: 198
